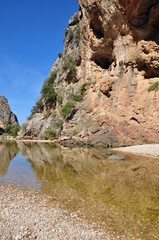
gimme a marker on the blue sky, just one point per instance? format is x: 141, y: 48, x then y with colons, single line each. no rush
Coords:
x: 31, y: 36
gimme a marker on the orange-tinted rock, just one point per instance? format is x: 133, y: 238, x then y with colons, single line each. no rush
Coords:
x: 118, y: 60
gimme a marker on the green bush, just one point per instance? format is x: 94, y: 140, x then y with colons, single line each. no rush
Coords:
x: 75, y: 132
x: 83, y: 89
x: 59, y: 99
x: 12, y: 130
x: 47, y: 93
x: 60, y: 55
x: 47, y: 90
x: 59, y: 123
x: 154, y: 87
x: 37, y: 108
x: 73, y: 34
x: 69, y: 34
x: 77, y: 98
x: 66, y: 109
x: 69, y: 63
x: 77, y: 35
x: 52, y: 77
x: 49, y: 134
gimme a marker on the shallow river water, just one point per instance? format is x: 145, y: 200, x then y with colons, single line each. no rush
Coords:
x: 121, y: 195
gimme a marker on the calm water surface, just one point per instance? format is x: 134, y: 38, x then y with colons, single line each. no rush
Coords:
x: 121, y: 195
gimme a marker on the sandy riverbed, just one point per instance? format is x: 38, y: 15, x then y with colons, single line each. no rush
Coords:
x: 145, y: 150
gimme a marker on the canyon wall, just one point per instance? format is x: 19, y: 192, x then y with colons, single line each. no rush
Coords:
x: 6, y: 115
x: 105, y: 82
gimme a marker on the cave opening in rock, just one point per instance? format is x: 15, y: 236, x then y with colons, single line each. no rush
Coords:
x: 149, y: 72
x: 96, y: 26
x: 103, y: 61
x: 144, y: 22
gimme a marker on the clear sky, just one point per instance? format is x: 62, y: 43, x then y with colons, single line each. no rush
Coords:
x: 31, y: 36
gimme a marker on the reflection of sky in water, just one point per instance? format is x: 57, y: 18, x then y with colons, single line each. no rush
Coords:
x: 20, y: 172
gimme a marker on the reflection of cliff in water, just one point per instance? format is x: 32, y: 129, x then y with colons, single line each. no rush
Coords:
x: 83, y: 179
x: 8, y: 151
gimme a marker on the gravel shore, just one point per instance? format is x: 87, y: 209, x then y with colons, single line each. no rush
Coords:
x: 145, y: 150
x: 25, y: 214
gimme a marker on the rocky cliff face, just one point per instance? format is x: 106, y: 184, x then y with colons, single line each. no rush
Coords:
x: 102, y: 82
x: 6, y: 115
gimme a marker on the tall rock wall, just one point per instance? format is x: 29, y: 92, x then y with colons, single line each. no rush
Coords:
x: 6, y: 115
x: 113, y: 52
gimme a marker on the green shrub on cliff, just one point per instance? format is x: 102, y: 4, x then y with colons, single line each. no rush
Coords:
x: 12, y: 130
x: 83, y: 89
x: 69, y: 63
x: 47, y: 90
x: 77, y: 98
x: 66, y: 109
x: 154, y: 87
x: 49, y: 134
x: 37, y: 108
x: 77, y: 35
x: 59, y: 99
x: 60, y: 55
x: 59, y: 123
x: 48, y: 94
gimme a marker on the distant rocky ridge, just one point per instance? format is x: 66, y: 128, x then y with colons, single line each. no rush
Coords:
x: 101, y: 84
x: 6, y: 115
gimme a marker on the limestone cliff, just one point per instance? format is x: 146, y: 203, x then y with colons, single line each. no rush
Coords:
x: 6, y: 115
x: 102, y: 82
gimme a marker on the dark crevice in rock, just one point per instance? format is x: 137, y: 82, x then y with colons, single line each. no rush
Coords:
x: 107, y: 92
x: 103, y: 61
x: 139, y: 21
x: 96, y: 26
x: 143, y: 20
x: 71, y: 114
x: 80, y: 13
x: 134, y: 119
x: 149, y: 72
x: 71, y: 76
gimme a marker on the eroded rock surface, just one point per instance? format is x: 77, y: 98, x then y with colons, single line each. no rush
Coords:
x: 110, y: 59
x: 6, y: 115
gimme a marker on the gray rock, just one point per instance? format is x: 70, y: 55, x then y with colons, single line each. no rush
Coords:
x: 116, y: 157
x: 74, y: 20
x: 6, y: 115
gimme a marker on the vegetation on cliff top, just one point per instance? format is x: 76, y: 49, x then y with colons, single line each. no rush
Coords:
x: 48, y: 95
